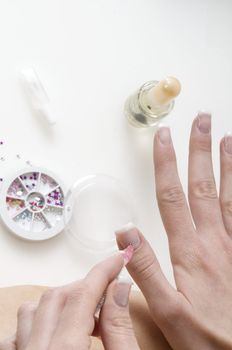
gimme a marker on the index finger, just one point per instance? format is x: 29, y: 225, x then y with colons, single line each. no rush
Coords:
x: 77, y: 319
x: 106, y: 271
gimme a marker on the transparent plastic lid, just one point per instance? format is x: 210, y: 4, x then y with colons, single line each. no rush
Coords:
x: 95, y: 207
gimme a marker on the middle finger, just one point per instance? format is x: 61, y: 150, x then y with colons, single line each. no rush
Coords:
x: 203, y: 198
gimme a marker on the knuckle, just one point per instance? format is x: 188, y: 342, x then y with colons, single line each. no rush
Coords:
x: 51, y: 294
x: 145, y: 266
x: 118, y: 325
x: 25, y: 309
x: 194, y: 258
x: 227, y: 165
x: 226, y: 206
x: 171, y: 195
x: 203, y: 189
x: 78, y: 295
x: 189, y: 260
x: 200, y: 145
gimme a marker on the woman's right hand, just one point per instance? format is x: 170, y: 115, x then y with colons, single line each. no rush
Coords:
x: 65, y: 317
x: 198, y: 313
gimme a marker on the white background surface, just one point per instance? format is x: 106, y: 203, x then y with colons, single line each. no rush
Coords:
x: 90, y: 55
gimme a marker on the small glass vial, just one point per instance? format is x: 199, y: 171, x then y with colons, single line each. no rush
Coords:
x: 152, y: 102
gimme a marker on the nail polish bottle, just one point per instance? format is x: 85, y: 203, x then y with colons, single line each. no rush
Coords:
x: 152, y: 102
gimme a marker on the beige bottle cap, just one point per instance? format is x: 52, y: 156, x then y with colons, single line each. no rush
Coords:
x: 166, y: 90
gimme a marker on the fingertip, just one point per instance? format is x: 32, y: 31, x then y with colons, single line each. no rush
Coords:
x: 26, y: 309
x: 126, y: 227
x: 128, y: 235
x: 116, y: 326
x: 108, y: 269
x: 118, y: 291
x: 202, y: 123
x: 163, y: 149
x: 226, y: 144
x: 121, y: 291
x: 163, y: 135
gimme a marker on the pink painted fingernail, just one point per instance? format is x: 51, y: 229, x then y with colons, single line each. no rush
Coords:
x: 228, y: 143
x: 204, y: 122
x: 127, y: 254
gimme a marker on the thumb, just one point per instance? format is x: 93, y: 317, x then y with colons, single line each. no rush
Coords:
x: 115, y: 323
x: 146, y: 272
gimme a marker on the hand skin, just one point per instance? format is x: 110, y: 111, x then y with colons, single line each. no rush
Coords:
x: 64, y: 318
x: 198, y: 313
x: 148, y: 335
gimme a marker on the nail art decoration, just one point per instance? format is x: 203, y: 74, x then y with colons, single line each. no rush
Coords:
x: 10, y: 160
x: 34, y: 204
x: 127, y: 254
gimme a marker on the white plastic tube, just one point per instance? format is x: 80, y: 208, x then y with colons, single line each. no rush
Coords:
x: 37, y: 94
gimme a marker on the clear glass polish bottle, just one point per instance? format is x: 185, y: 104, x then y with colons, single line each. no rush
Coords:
x: 152, y: 102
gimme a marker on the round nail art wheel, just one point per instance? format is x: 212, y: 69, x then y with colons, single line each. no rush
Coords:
x: 32, y: 204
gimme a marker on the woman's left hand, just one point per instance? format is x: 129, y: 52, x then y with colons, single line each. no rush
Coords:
x: 65, y: 316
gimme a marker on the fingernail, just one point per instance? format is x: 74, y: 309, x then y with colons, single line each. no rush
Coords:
x: 228, y: 143
x: 164, y: 135
x: 204, y: 122
x: 127, y: 254
x: 128, y: 235
x: 122, y: 292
